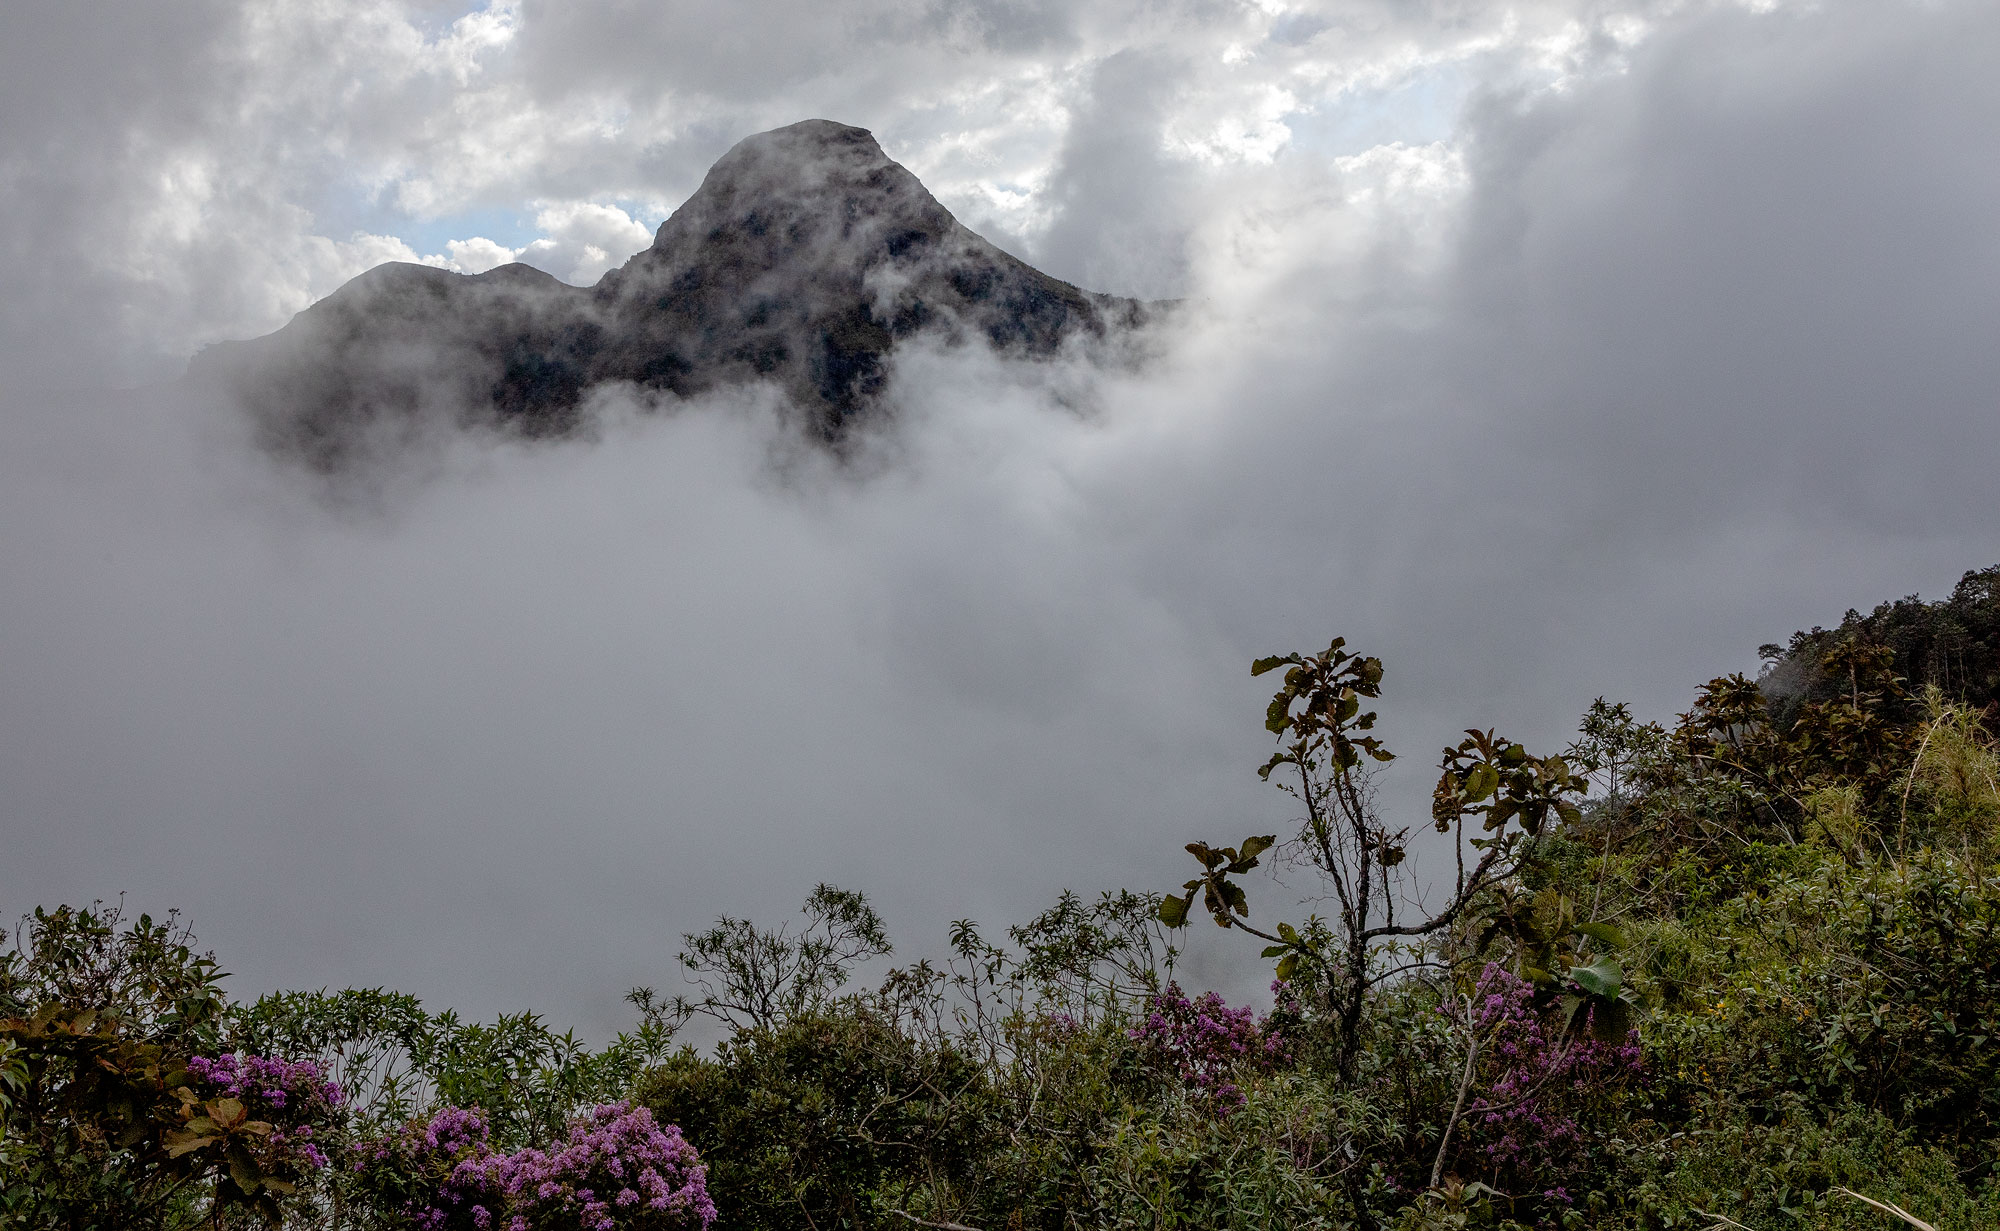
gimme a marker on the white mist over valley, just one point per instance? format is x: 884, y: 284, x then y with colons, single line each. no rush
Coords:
x: 1568, y: 353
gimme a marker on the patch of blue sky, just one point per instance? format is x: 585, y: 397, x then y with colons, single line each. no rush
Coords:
x: 351, y: 211
x: 433, y: 18
x: 1420, y: 110
x: 509, y: 228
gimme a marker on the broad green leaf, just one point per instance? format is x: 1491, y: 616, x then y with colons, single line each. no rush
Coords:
x: 1480, y: 783
x: 1173, y: 911
x: 1603, y: 933
x: 1601, y: 978
x: 1268, y: 664
x: 1277, y: 716
x: 1288, y: 966
x: 1276, y: 950
x: 1255, y: 846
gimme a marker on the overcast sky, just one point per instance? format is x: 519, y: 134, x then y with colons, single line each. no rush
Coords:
x: 1547, y: 350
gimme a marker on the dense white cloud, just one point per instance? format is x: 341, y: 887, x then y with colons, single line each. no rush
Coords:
x: 580, y: 241
x: 1552, y: 351
x: 477, y: 255
x: 181, y: 176
x: 583, y: 239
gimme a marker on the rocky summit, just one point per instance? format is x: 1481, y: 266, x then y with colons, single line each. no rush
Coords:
x: 804, y: 258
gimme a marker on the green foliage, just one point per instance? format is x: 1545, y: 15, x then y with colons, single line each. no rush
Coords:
x: 1317, y: 716
x: 144, y: 972
x: 1953, y: 644
x: 100, y: 1020
x: 396, y: 1060
x: 832, y: 1117
x: 1280, y: 1161
x: 13, y: 1081
x: 747, y: 976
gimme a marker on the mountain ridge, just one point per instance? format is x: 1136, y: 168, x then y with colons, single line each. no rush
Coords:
x: 803, y: 260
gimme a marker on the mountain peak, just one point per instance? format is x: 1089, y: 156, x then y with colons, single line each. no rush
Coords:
x: 806, y: 167
x: 804, y: 258
x: 817, y: 196
x: 825, y: 146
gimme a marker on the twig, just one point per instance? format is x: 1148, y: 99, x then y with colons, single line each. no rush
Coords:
x: 1888, y: 1207
x: 925, y: 1222
x: 1464, y: 1086
x: 1903, y: 819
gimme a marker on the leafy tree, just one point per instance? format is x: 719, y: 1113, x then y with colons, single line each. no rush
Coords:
x: 1953, y: 643
x: 398, y: 1060
x: 829, y: 1118
x: 1323, y: 732
x: 130, y: 1111
x: 748, y: 976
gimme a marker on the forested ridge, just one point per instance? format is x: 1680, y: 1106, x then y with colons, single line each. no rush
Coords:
x: 1738, y: 969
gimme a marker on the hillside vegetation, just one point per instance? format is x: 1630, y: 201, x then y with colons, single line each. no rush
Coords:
x: 1737, y: 970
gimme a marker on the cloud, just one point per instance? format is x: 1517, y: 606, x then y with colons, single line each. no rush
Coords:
x: 580, y: 241
x: 584, y: 239
x: 174, y: 179
x: 1673, y: 343
x: 477, y: 255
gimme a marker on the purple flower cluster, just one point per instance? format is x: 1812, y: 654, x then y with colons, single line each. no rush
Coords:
x: 277, y: 1082
x: 291, y: 1095
x: 1206, y: 1044
x: 1527, y: 1117
x: 434, y: 1171
x: 618, y: 1171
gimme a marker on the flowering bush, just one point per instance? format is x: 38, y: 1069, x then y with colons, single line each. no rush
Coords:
x: 434, y: 1174
x: 289, y: 1095
x: 255, y: 1120
x: 1528, y: 1119
x: 618, y: 1171
x: 1205, y: 1044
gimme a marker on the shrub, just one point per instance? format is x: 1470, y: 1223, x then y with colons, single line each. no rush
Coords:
x: 1543, y: 1087
x: 1206, y: 1045
x: 618, y: 1170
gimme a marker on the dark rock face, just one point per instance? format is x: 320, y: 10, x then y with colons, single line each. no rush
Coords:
x: 802, y: 260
